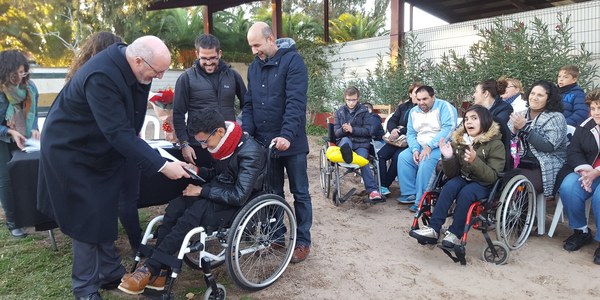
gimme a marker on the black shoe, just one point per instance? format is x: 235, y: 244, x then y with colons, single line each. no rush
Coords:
x: 577, y: 240
x: 346, y: 151
x: 14, y: 231
x: 597, y: 256
x: 94, y: 296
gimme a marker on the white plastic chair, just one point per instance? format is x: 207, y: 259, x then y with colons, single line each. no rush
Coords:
x: 560, y: 214
x: 156, y: 125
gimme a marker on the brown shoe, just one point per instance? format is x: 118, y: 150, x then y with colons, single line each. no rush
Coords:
x: 158, y: 282
x: 136, y: 282
x: 300, y: 254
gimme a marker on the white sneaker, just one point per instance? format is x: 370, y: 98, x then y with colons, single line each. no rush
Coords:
x: 426, y: 232
x: 450, y: 240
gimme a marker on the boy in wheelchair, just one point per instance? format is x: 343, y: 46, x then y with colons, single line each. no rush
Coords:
x: 239, y: 163
x: 472, y: 163
x: 352, y: 128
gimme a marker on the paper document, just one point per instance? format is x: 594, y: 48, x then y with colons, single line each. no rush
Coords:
x: 159, y: 144
x: 32, y: 145
x: 172, y: 158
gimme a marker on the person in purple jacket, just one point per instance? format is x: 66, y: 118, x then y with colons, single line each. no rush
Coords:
x: 574, y: 108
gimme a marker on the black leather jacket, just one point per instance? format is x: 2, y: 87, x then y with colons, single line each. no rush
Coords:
x: 239, y: 176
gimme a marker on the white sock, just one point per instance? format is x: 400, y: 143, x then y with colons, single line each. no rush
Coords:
x: 584, y: 229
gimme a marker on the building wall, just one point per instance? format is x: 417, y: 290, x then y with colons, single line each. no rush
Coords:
x: 356, y: 57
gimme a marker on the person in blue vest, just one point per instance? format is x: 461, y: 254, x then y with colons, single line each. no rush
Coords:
x: 89, y: 134
x: 209, y: 83
x: 274, y: 111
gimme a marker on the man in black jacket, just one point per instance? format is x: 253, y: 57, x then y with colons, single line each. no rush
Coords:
x: 90, y: 131
x: 209, y: 83
x: 239, y: 164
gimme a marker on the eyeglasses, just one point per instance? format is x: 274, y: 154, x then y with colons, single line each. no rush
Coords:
x: 153, y: 69
x: 510, y: 86
x: 351, y: 100
x: 205, y: 142
x: 16, y: 75
x: 214, y: 58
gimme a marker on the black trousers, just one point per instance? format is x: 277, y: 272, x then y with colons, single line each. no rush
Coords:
x: 182, y: 215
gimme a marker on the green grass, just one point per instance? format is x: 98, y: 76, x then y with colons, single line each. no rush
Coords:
x: 31, y: 270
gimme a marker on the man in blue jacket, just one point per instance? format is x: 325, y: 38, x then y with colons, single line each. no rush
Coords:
x: 89, y: 133
x: 274, y: 111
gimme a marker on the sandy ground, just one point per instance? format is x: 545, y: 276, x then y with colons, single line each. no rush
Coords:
x: 363, y: 251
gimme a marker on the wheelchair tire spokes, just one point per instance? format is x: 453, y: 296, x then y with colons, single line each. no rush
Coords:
x: 325, y: 175
x: 516, y: 214
x: 261, y: 243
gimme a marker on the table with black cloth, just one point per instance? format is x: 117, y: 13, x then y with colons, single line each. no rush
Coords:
x: 155, y: 189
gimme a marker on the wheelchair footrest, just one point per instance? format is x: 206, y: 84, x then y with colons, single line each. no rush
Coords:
x: 423, y: 240
x: 348, y: 195
x: 459, y: 253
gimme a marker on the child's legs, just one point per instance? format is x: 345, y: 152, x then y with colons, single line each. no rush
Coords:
x: 467, y: 195
x: 449, y: 192
x: 366, y: 173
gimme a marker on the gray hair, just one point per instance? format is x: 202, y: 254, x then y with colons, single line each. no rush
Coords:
x: 140, y: 48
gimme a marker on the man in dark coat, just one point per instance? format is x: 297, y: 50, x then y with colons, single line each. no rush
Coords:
x: 89, y: 133
x: 209, y: 83
x: 274, y: 111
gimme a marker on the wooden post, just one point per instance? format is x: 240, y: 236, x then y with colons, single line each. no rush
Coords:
x: 397, y: 30
x: 276, y: 15
x: 208, y: 19
x: 326, y: 21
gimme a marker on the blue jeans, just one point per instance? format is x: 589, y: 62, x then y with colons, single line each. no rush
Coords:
x: 295, y: 167
x: 573, y: 197
x: 365, y: 171
x: 413, y: 178
x: 6, y: 196
x: 387, y: 176
x: 465, y: 193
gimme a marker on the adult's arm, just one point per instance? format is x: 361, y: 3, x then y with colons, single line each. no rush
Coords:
x: 240, y: 88
x: 247, y: 109
x: 181, y: 103
x: 394, y: 120
x: 109, y: 111
x: 548, y: 137
x: 35, y: 108
x: 411, y: 134
x: 576, y: 156
x: 296, y: 86
x: 448, y: 119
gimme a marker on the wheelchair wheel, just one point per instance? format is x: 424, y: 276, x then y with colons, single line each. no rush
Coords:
x: 337, y: 194
x: 216, y: 295
x: 516, y: 213
x: 502, y: 251
x: 261, y: 242
x: 212, y: 245
x: 325, y: 168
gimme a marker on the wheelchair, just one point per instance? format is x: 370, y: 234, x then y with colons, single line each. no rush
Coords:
x: 256, y: 247
x: 331, y: 171
x: 509, y: 210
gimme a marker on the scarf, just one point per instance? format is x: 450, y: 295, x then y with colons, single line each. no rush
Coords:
x: 566, y: 87
x: 512, y: 98
x: 19, y: 97
x: 228, y: 143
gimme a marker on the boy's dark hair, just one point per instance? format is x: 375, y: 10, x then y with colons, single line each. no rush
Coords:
x: 485, y: 117
x: 207, y: 41
x: 204, y: 120
x: 351, y: 90
x: 368, y: 105
x: 554, y: 102
x: 572, y: 70
x: 427, y: 89
x: 10, y: 61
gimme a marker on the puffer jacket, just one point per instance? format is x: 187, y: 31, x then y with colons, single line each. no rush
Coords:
x: 361, y: 125
x: 574, y: 108
x: 491, y: 156
x: 275, y: 104
x: 239, y: 176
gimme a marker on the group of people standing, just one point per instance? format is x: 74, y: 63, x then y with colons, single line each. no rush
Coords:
x: 92, y: 154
